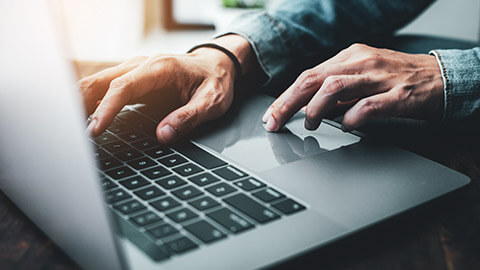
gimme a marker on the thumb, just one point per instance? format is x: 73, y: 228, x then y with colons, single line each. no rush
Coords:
x: 185, y: 119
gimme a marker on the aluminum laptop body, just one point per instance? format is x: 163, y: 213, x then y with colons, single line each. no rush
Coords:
x: 47, y: 167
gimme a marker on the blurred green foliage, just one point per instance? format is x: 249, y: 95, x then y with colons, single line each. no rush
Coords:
x: 243, y: 3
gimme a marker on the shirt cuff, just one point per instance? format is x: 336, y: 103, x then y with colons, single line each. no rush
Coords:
x: 460, y: 69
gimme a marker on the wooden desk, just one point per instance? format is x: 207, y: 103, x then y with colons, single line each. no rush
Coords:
x: 445, y: 236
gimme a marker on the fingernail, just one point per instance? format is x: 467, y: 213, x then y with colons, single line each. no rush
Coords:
x: 167, y: 133
x: 267, y: 114
x: 308, y: 125
x: 92, y: 126
x: 271, y: 124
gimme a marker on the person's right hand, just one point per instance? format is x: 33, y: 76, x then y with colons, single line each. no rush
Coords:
x: 200, y: 82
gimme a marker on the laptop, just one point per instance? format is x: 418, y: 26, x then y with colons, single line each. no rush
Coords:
x: 232, y: 197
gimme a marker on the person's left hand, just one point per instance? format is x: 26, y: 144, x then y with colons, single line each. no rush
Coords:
x: 376, y: 82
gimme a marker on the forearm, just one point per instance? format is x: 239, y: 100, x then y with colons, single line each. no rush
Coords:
x: 295, y: 35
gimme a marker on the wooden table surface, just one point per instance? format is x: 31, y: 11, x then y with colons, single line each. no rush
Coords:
x: 445, y: 235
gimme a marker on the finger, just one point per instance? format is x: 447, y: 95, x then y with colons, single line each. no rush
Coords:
x: 300, y: 92
x: 202, y: 107
x: 294, y: 98
x: 122, y: 89
x: 336, y: 88
x: 379, y: 105
x: 341, y: 108
x: 94, y: 87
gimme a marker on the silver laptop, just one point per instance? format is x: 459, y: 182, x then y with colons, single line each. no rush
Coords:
x: 234, y: 197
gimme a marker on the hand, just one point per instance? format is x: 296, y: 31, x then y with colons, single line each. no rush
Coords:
x: 374, y: 82
x: 198, y: 84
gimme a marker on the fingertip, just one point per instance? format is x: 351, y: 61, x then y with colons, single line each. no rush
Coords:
x: 92, y: 126
x: 311, y: 125
x: 267, y: 114
x: 271, y: 124
x: 166, y: 134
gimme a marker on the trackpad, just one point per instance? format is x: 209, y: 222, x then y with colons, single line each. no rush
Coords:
x: 240, y: 135
x: 247, y: 143
x: 358, y: 184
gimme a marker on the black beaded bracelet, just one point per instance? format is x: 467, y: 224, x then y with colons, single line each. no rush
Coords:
x: 236, y: 63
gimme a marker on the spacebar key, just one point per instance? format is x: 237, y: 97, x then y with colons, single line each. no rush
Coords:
x: 199, y: 155
x: 251, y: 208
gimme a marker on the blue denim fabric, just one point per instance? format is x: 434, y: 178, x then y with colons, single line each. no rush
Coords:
x: 293, y: 35
x: 461, y: 80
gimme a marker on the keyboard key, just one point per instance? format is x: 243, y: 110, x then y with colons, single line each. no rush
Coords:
x: 156, y: 172
x: 204, y: 179
x: 156, y: 251
x: 249, y: 184
x: 221, y: 189
x: 100, y: 153
x: 288, y: 206
x: 181, y: 244
x: 268, y: 195
x: 116, y: 195
x: 120, y: 172
x: 145, y: 144
x: 158, y: 152
x: 173, y: 160
x: 131, y: 136
x: 125, y: 114
x: 230, y: 220
x: 105, y: 138
x: 162, y: 230
x: 142, y: 163
x: 115, y: 147
x: 128, y: 155
x: 205, y: 231
x: 153, y: 112
x: 129, y: 207
x: 142, y: 124
x: 229, y: 173
x: 171, y: 182
x: 165, y: 204
x: 251, y: 208
x: 134, y: 182
x: 182, y: 215
x: 107, y: 184
x: 149, y: 193
x: 204, y: 203
x: 187, y: 193
x: 118, y: 127
x: 109, y: 163
x: 200, y: 156
x: 187, y: 169
x: 145, y: 218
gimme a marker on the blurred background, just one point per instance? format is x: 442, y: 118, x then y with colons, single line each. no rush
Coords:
x: 115, y: 30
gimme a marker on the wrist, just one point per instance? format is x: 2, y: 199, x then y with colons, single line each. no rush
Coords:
x: 219, y: 61
x: 240, y: 47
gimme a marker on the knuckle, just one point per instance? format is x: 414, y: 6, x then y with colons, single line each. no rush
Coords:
x: 307, y: 80
x: 357, y: 47
x: 187, y: 118
x: 119, y: 83
x: 86, y: 83
x: 367, y: 107
x: 164, y: 61
x: 333, y: 84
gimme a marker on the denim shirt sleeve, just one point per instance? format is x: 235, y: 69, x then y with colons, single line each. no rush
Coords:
x: 291, y: 36
x: 461, y: 81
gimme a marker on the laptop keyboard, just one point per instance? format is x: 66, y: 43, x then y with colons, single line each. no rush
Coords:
x: 169, y: 201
